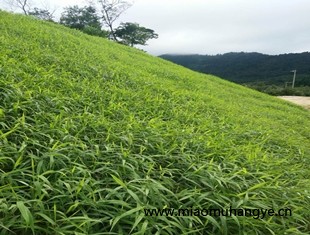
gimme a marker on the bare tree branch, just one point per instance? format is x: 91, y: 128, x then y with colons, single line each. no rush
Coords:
x: 24, y: 5
x: 111, y: 11
x: 46, y: 6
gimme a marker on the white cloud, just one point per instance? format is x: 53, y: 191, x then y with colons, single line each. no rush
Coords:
x: 219, y: 26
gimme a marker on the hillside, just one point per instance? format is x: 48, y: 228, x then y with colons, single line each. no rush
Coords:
x: 256, y: 70
x: 94, y: 133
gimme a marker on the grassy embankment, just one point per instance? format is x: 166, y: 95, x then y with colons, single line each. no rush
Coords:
x: 92, y: 133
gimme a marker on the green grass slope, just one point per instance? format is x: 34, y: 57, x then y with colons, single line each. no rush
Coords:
x: 92, y: 133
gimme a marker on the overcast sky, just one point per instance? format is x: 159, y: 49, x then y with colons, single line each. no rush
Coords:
x: 217, y: 26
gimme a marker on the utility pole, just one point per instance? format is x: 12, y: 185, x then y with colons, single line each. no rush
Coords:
x: 294, y: 77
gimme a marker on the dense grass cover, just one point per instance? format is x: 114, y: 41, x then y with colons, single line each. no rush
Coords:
x: 92, y: 133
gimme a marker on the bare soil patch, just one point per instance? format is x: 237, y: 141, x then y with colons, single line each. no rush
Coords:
x: 300, y: 100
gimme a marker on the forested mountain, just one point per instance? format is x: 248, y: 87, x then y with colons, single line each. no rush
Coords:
x: 253, y: 69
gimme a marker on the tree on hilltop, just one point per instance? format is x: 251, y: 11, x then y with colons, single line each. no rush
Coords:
x: 132, y: 34
x: 84, y: 19
x: 42, y: 14
x: 26, y: 7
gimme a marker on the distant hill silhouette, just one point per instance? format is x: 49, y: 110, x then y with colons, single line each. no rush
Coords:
x: 250, y: 68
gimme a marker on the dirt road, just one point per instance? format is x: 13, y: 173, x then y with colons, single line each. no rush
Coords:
x: 300, y: 100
